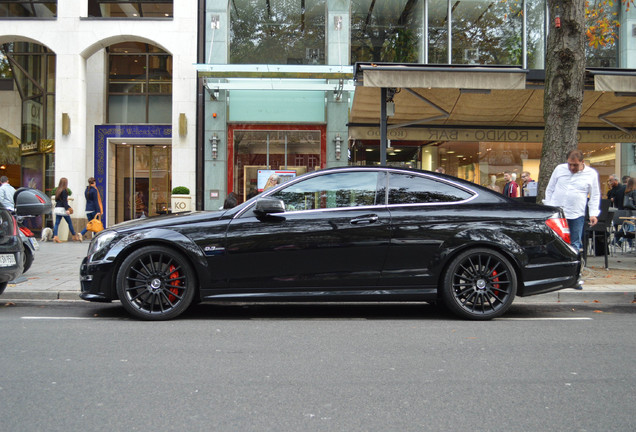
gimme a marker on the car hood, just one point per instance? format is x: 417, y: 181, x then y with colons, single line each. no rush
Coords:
x: 169, y: 220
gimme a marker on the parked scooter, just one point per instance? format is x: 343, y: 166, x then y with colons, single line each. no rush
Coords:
x: 29, y: 242
x: 29, y: 203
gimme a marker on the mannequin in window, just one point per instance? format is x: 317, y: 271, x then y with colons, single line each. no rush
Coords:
x: 493, y: 184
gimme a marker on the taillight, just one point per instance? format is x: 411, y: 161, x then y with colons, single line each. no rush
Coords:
x: 560, y: 227
x: 27, y: 232
x: 8, y: 225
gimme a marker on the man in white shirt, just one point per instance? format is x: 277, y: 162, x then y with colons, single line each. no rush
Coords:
x: 6, y: 193
x: 570, y: 185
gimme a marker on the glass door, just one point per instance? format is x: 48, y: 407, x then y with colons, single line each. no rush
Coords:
x: 142, y: 181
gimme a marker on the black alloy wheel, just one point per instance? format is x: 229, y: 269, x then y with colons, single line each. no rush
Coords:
x: 156, y: 283
x: 479, y: 284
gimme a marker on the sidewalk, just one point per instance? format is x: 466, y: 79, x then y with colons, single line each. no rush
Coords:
x: 55, y: 276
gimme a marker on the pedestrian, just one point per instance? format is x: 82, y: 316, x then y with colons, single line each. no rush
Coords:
x: 511, y: 188
x: 629, y: 200
x: 94, y: 205
x: 570, y: 185
x: 230, y: 201
x: 63, y: 210
x: 440, y: 170
x: 616, y: 192
x: 529, y: 186
x: 6, y: 194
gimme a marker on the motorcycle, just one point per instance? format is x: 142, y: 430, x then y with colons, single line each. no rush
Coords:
x: 29, y: 242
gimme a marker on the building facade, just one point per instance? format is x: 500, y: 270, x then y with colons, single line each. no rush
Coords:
x: 271, y: 69
x: 100, y: 89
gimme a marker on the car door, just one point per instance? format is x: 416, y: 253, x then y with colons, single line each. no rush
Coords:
x: 425, y: 212
x: 333, y: 234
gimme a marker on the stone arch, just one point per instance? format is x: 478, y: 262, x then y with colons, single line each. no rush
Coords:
x: 115, y: 39
x: 18, y: 38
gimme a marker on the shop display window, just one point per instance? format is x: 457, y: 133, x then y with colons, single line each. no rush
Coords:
x: 130, y: 9
x: 483, y: 163
x: 277, y: 32
x: 261, y: 155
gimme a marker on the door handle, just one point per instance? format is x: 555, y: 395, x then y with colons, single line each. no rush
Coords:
x: 368, y: 219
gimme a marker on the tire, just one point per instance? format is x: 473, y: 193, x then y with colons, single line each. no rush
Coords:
x: 28, y: 259
x: 3, y: 286
x: 479, y: 284
x: 156, y: 283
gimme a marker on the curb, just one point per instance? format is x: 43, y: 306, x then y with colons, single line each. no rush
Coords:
x: 625, y: 296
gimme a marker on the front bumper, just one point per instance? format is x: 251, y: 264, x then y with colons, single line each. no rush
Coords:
x: 97, y: 281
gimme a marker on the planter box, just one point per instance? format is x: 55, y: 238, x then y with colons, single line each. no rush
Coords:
x: 180, y: 203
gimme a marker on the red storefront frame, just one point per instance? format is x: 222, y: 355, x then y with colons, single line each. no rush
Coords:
x: 231, y: 163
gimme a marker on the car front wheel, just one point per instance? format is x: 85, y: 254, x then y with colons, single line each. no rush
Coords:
x: 479, y: 284
x: 156, y: 283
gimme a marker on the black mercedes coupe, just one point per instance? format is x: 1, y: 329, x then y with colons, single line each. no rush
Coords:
x: 343, y: 234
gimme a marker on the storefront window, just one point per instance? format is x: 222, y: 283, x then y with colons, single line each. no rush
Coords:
x: 277, y: 31
x: 130, y: 9
x: 483, y: 163
x: 536, y: 33
x: 487, y: 32
x: 438, y: 33
x: 604, y: 54
x: 139, y: 84
x: 387, y: 31
x: 272, y: 155
x: 28, y: 9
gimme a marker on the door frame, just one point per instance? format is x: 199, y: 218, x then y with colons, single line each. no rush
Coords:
x: 105, y: 138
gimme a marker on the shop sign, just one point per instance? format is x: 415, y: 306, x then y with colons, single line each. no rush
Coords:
x: 32, y: 113
x: 27, y: 148
x: 484, y: 135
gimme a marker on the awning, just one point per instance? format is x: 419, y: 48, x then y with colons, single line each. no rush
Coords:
x: 337, y: 78
x: 478, y: 97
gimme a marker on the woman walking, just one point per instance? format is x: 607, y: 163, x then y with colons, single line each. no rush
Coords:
x: 63, y: 210
x: 94, y: 206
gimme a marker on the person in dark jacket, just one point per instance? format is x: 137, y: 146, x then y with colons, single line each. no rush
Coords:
x: 93, y: 203
x: 63, y: 210
x: 616, y: 193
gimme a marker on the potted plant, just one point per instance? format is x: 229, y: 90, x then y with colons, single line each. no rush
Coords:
x: 180, y: 201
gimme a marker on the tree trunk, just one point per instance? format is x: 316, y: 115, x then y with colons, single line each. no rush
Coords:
x: 564, y: 77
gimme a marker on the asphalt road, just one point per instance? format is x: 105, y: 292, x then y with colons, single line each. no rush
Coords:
x: 78, y: 366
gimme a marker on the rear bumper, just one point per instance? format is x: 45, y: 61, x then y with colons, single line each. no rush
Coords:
x: 558, y: 266
x: 10, y: 272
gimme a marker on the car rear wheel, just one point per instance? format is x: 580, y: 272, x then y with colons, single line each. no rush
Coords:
x: 479, y: 284
x: 28, y: 259
x: 156, y: 283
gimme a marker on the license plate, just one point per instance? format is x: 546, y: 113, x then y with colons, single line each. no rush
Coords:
x: 34, y: 243
x: 7, y: 260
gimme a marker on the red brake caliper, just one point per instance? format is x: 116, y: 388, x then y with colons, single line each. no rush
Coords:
x: 173, y: 275
x: 495, y: 286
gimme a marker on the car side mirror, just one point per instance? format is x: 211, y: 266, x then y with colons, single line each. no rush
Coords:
x: 266, y: 206
x: 31, y: 202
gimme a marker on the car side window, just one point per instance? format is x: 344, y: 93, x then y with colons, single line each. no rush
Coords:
x: 414, y: 189
x: 333, y: 190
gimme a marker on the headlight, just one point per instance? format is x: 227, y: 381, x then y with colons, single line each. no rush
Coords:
x: 101, y: 241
